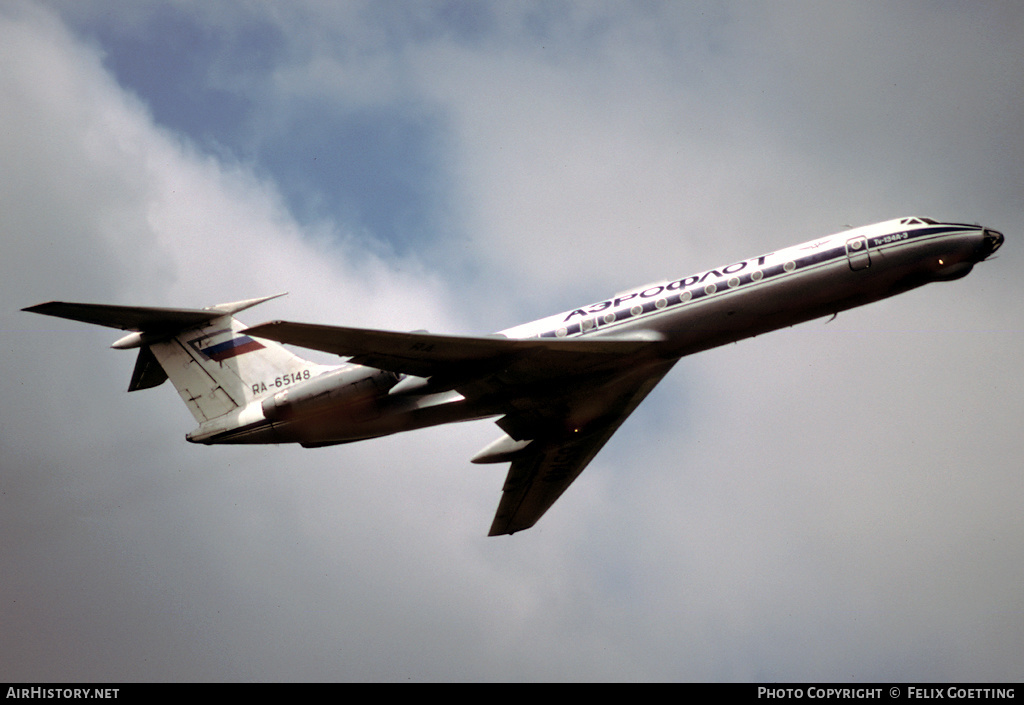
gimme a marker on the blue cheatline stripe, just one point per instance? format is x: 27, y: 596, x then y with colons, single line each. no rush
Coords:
x: 698, y: 291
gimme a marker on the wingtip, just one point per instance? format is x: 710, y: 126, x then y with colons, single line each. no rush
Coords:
x: 234, y: 307
x: 40, y: 308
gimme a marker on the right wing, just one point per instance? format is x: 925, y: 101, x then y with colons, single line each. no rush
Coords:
x: 562, y: 399
x: 543, y: 469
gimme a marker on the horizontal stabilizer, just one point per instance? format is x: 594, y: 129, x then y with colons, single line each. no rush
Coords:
x: 149, y: 319
x: 148, y: 372
x: 139, y: 318
x: 214, y: 367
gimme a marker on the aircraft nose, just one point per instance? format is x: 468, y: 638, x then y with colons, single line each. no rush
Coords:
x: 992, y: 240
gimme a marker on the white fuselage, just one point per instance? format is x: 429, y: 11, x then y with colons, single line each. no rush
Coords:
x: 781, y: 288
x: 683, y: 316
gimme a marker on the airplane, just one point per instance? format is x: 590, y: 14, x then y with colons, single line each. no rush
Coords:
x: 559, y: 387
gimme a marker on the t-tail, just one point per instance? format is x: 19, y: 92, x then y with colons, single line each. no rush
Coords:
x: 217, y: 369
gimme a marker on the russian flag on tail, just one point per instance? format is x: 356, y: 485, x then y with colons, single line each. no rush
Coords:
x: 229, y: 348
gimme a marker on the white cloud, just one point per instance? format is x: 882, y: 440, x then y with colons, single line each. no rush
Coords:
x: 828, y: 502
x: 145, y: 542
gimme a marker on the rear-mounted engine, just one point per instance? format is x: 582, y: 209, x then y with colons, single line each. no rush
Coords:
x: 352, y: 384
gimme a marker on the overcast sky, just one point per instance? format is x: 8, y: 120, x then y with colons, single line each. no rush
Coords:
x: 835, y: 501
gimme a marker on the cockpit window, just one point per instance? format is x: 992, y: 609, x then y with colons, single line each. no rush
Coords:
x: 917, y: 221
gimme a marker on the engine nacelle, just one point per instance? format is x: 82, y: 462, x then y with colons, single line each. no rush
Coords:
x: 950, y: 272
x: 343, y: 387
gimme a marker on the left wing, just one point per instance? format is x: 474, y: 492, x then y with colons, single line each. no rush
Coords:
x: 543, y: 469
x: 429, y: 354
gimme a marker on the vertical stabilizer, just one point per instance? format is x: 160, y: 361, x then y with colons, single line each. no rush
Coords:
x: 215, y: 368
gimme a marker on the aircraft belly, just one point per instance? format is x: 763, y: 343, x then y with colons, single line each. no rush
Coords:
x: 388, y: 416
